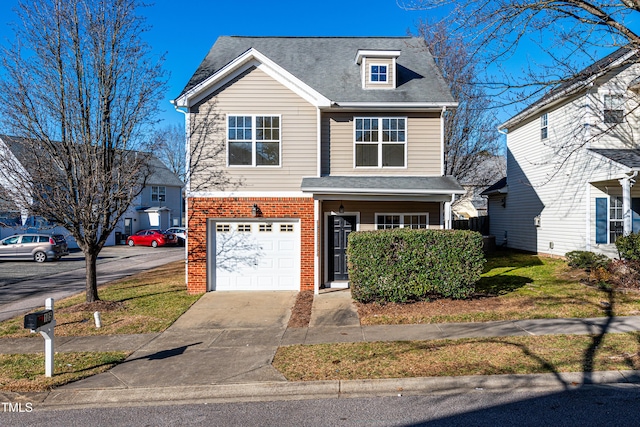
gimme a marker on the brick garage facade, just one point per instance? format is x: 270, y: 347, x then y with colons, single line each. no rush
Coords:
x: 201, y: 209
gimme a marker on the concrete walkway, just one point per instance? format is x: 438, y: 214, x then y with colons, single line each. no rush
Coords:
x: 221, y: 349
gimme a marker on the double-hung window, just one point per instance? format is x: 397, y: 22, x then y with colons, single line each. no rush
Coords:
x: 380, y: 142
x: 412, y: 220
x: 613, y: 108
x: 378, y: 74
x: 544, y: 126
x: 253, y: 140
x: 158, y: 193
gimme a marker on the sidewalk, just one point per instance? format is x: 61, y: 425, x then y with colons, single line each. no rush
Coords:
x: 221, y: 350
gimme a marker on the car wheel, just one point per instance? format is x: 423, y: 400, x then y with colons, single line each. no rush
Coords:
x: 131, y: 243
x: 40, y: 257
x: 154, y: 244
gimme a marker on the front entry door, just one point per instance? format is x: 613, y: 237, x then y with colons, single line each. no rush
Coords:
x: 339, y: 229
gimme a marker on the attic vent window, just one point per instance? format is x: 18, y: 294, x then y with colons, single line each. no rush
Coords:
x: 378, y: 73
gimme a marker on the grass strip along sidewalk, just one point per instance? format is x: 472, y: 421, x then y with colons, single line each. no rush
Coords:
x: 144, y: 303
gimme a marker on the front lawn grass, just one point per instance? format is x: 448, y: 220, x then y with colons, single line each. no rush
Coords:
x: 25, y: 372
x: 473, y: 356
x: 146, y: 302
x: 513, y: 286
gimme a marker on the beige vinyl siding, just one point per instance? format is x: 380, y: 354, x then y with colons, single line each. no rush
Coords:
x: 424, y: 156
x: 368, y: 210
x: 256, y: 93
x: 368, y: 62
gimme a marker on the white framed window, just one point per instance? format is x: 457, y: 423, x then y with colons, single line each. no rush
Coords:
x: 253, y: 140
x: 158, y: 193
x: 544, y: 125
x: 616, y: 221
x: 380, y: 142
x: 613, y: 108
x: 378, y: 73
x: 385, y: 221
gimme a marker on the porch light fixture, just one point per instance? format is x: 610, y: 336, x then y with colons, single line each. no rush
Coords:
x: 254, y: 210
x: 341, y: 208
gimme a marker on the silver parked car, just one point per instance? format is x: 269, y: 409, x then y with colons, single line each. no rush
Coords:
x: 180, y: 232
x: 38, y: 247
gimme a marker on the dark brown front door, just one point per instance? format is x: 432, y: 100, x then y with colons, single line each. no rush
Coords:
x: 339, y: 229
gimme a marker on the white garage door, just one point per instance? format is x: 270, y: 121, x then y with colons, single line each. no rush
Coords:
x: 257, y: 256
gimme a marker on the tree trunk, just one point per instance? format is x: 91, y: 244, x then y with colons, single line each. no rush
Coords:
x: 91, y: 276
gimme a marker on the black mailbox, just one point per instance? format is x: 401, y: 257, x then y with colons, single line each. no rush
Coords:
x: 38, y: 319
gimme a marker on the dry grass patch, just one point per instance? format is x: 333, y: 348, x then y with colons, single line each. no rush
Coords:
x: 146, y: 302
x: 513, y: 286
x: 25, y: 372
x: 486, y: 356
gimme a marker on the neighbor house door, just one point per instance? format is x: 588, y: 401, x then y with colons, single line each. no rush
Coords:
x: 339, y: 229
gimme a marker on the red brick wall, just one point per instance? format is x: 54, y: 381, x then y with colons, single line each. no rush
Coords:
x: 203, y: 208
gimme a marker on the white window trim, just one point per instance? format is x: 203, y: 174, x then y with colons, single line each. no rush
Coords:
x: 544, y: 124
x: 158, y: 193
x: 381, y: 143
x: 254, y: 141
x: 622, y: 104
x: 370, y: 68
x: 402, y: 217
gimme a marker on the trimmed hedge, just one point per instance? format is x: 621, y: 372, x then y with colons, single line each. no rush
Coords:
x: 629, y: 247
x: 403, y: 264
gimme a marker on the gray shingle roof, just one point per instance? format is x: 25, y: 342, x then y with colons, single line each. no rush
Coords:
x: 383, y: 184
x: 626, y: 157
x: 327, y: 64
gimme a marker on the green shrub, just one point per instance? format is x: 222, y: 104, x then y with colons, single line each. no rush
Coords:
x: 587, y: 260
x: 629, y: 247
x: 402, y: 265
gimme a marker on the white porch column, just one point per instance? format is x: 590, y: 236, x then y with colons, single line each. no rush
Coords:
x: 447, y: 214
x: 627, y: 225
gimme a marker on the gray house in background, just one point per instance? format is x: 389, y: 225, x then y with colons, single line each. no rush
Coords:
x: 160, y: 205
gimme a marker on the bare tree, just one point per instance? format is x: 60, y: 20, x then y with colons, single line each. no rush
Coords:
x: 470, y: 134
x: 79, y: 88
x: 170, y: 147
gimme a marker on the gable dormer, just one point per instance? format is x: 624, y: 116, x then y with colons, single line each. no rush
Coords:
x: 377, y: 68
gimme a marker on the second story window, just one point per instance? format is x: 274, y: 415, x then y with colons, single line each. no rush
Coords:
x: 378, y: 73
x: 158, y: 193
x: 253, y: 140
x: 613, y: 108
x: 544, y: 126
x: 380, y: 142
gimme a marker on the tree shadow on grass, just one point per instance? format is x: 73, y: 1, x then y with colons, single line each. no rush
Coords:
x: 501, y: 284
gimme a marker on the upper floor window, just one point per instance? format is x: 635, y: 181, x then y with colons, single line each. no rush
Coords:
x: 158, y: 193
x: 378, y: 73
x: 544, y: 124
x: 380, y: 142
x: 253, y: 140
x: 613, y: 108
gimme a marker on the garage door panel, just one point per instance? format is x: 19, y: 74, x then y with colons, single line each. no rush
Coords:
x: 257, y: 256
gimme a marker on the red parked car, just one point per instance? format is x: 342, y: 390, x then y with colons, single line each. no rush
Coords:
x: 152, y: 238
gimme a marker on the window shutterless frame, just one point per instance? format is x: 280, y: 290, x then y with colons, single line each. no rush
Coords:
x: 415, y: 220
x: 380, y: 142
x: 254, y: 140
x: 544, y: 126
x: 378, y: 73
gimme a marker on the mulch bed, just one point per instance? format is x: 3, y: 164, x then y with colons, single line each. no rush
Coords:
x: 301, y: 312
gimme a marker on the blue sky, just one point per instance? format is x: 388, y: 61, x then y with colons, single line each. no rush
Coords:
x: 185, y: 30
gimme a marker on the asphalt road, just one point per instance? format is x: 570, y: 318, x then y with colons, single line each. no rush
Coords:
x: 24, y: 285
x: 584, y: 407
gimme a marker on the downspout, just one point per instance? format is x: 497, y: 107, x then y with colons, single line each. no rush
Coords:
x: 187, y: 188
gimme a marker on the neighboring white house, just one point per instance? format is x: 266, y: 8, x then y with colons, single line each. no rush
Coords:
x: 572, y: 160
x: 159, y: 206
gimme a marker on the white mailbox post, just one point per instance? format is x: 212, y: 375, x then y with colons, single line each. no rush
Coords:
x: 44, y: 322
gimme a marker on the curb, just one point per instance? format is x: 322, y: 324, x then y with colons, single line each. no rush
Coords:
x: 274, y: 391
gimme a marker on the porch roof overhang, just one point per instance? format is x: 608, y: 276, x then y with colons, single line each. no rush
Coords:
x: 627, y: 158
x: 424, y: 188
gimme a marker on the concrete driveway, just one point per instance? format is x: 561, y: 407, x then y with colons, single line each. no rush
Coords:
x: 24, y: 285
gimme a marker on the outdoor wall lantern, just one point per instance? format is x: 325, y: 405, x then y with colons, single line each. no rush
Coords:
x: 341, y: 208
x: 254, y: 210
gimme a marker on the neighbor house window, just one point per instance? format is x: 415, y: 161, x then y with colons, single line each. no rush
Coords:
x: 253, y: 140
x: 544, y: 126
x: 380, y: 142
x: 378, y: 74
x: 158, y: 193
x: 613, y: 108
x: 412, y: 220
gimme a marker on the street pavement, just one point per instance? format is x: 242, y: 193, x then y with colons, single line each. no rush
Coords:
x: 221, y: 350
x: 24, y: 285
